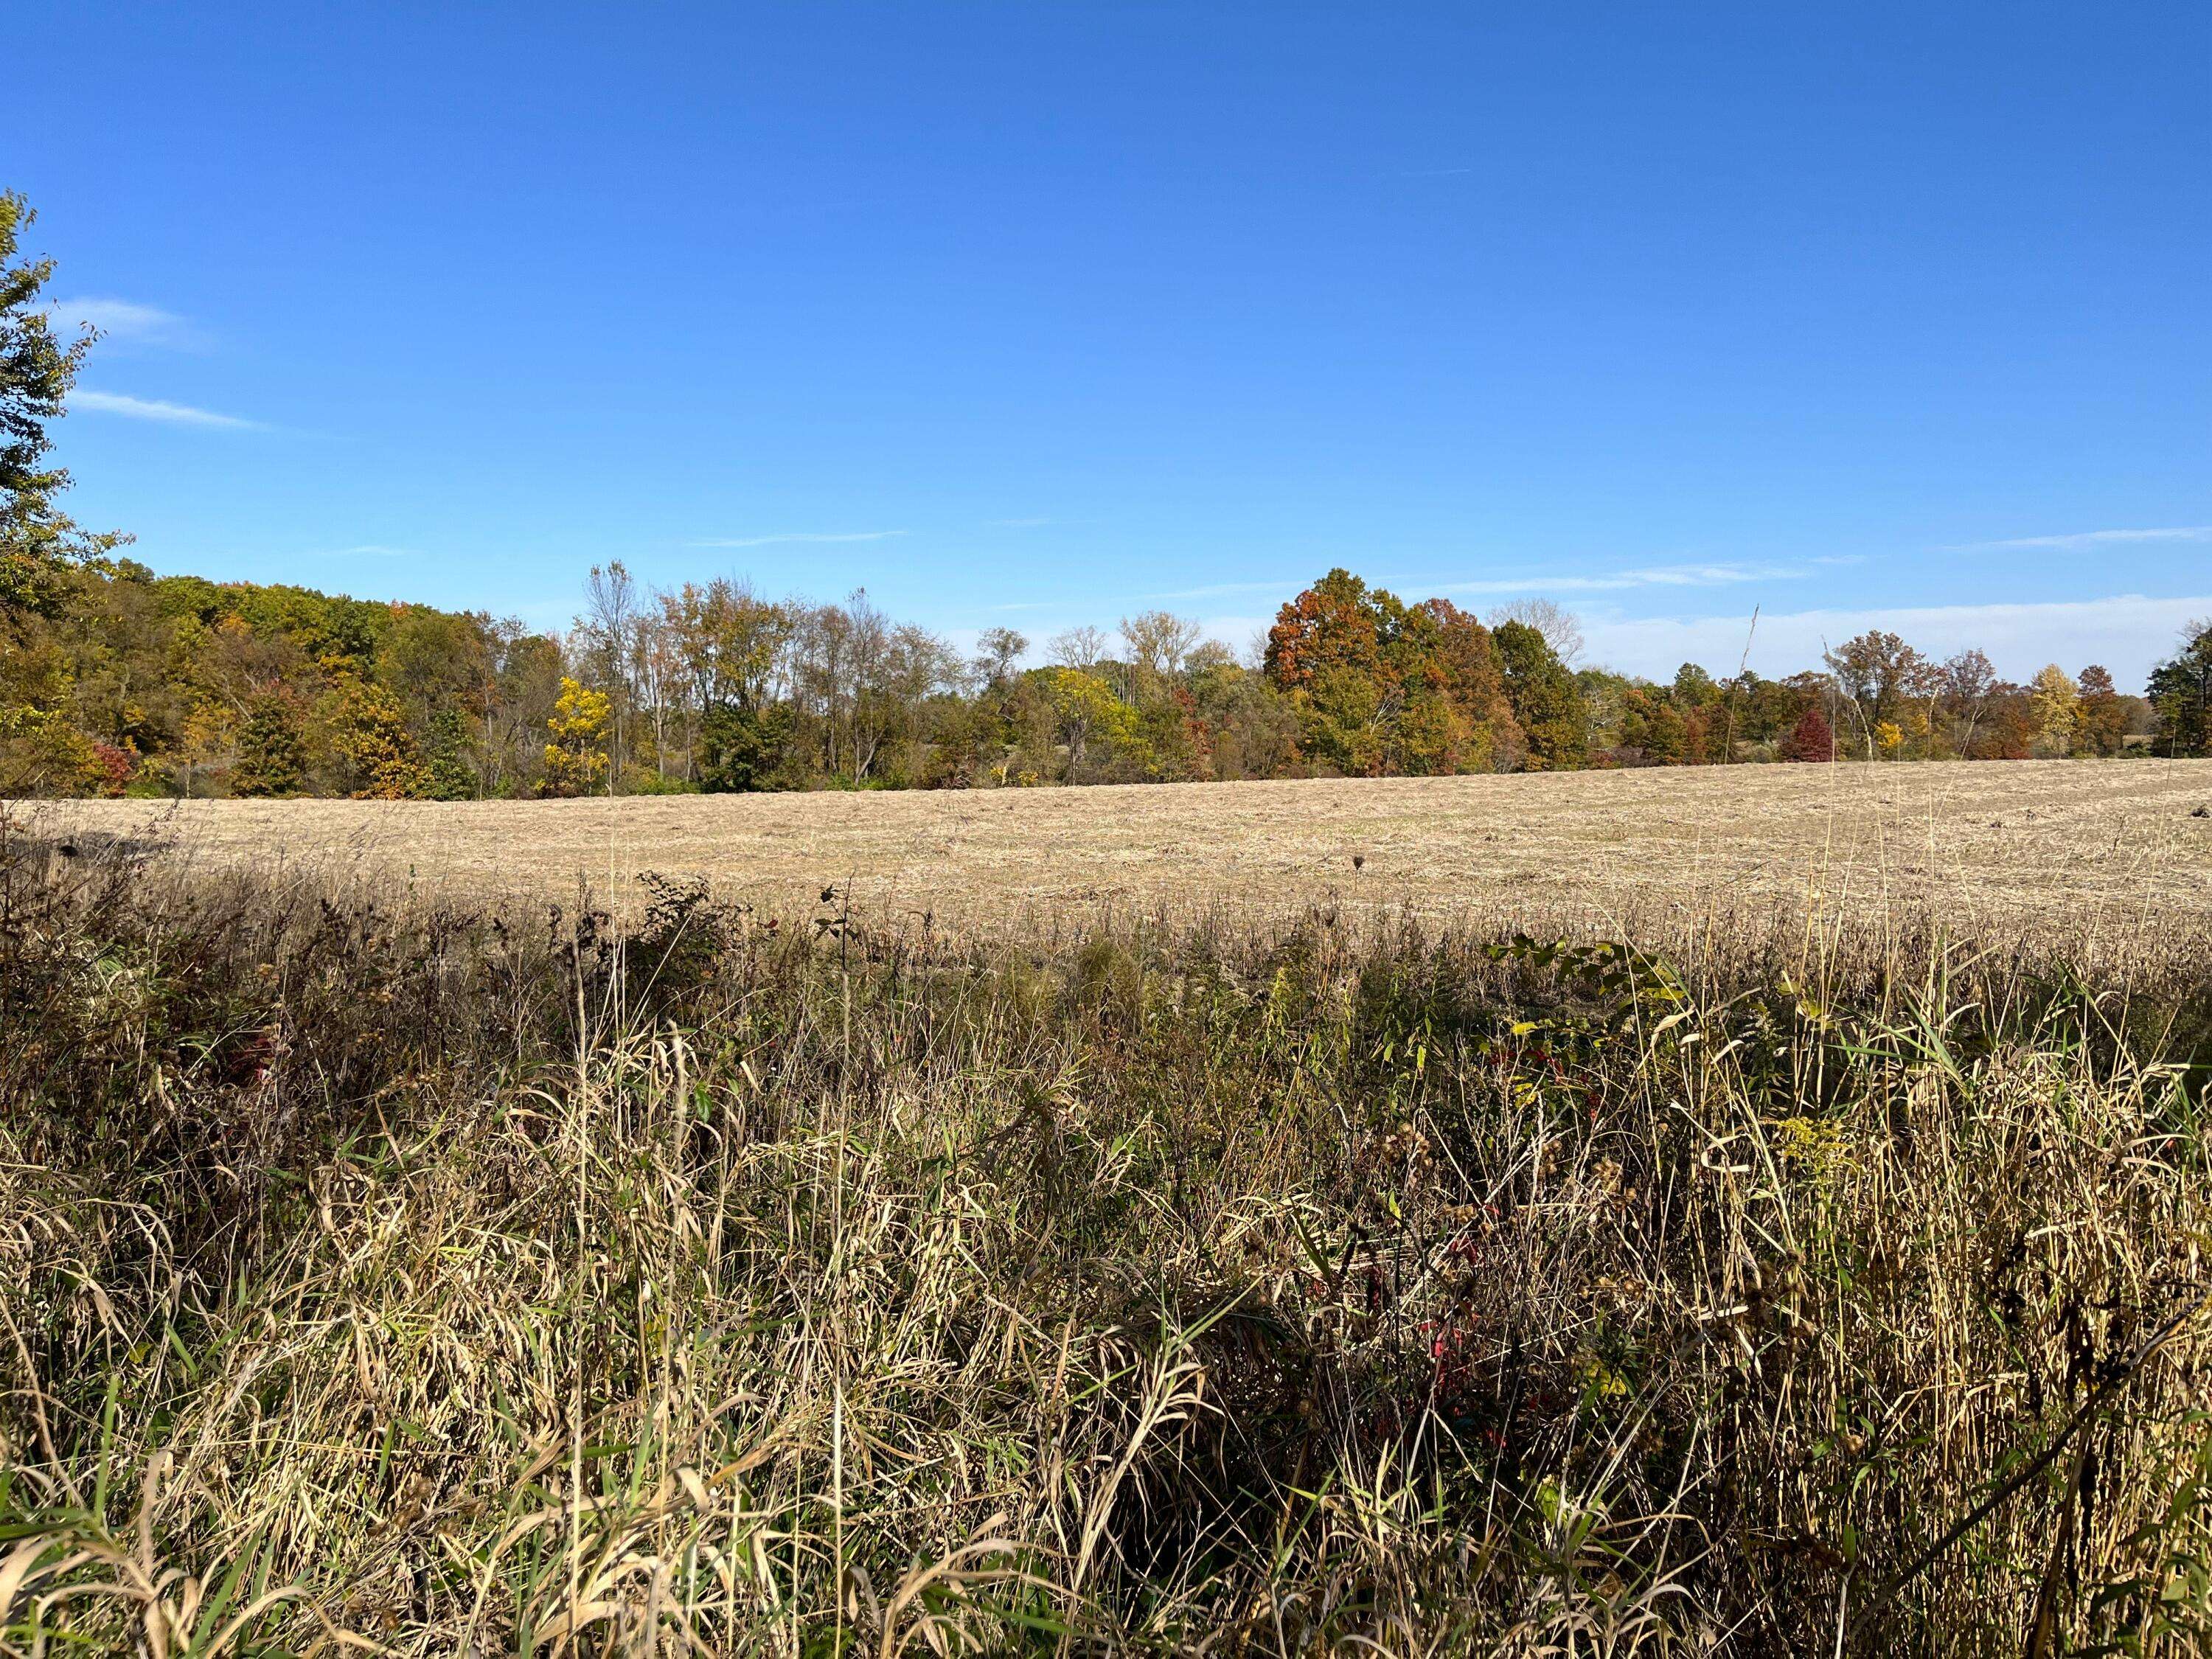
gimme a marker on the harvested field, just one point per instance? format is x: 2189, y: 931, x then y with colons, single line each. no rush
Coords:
x: 402, y: 1280
x: 2094, y: 856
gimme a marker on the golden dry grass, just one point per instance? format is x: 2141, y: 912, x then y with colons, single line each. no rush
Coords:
x: 2077, y: 854
x: 413, y: 1282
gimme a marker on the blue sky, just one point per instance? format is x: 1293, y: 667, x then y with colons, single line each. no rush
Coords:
x: 1040, y: 315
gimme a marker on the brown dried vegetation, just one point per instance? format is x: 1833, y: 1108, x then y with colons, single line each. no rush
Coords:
x: 675, y: 1275
x: 2100, y: 860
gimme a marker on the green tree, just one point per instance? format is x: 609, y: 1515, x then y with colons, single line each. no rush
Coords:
x: 272, y: 750
x: 2180, y: 692
x: 1694, y: 688
x: 1546, y: 700
x: 42, y: 748
x: 38, y: 546
x: 742, y: 746
x: 1254, y: 731
x: 446, y: 773
x: 997, y: 651
x: 724, y: 642
x: 1651, y: 728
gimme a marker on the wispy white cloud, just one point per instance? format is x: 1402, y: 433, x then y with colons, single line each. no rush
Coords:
x: 124, y: 320
x: 2127, y: 632
x: 153, y: 409
x: 1676, y: 575
x: 1671, y: 575
x: 2186, y: 532
x: 796, y: 536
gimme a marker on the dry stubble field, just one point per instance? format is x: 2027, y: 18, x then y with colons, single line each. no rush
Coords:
x: 449, y: 1286
x: 2094, y: 854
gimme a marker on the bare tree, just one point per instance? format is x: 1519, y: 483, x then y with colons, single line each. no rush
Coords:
x: 655, y: 674
x: 997, y: 651
x: 1081, y: 647
x: 1158, y: 642
x: 607, y: 631
x: 1561, y: 629
x: 868, y: 648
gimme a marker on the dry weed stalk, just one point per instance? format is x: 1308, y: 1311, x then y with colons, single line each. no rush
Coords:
x: 430, y: 1283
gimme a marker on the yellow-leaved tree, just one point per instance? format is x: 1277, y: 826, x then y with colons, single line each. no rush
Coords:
x: 576, y: 759
x: 369, y: 733
x: 2054, y: 700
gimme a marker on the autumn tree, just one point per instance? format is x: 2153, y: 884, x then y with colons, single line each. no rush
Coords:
x: 205, y: 740
x: 1333, y: 625
x: 1445, y: 657
x: 1965, y: 684
x: 1325, y: 653
x: 1874, y: 675
x: 369, y: 736
x: 138, y: 681
x: 727, y: 643
x: 2054, y: 703
x: 2010, y: 726
x: 576, y: 757
x: 1811, y: 738
x: 2100, y: 716
x: 1703, y: 705
x: 1087, y: 713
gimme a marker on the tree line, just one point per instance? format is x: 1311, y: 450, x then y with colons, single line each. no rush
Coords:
x: 116, y: 681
